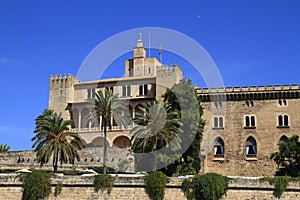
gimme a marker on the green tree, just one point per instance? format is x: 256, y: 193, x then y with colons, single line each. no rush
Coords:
x: 54, y: 139
x: 182, y: 98
x: 36, y: 185
x: 156, y: 126
x: 4, y: 148
x: 105, y: 106
x: 288, y: 157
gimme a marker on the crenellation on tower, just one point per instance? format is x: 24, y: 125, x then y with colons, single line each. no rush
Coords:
x: 294, y: 87
x: 236, y: 89
x: 61, y: 92
x: 253, y: 88
x: 260, y: 88
x: 285, y: 87
x: 245, y: 88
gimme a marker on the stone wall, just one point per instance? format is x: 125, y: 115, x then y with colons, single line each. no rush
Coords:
x: 234, y: 105
x: 132, y: 187
x: 116, y: 157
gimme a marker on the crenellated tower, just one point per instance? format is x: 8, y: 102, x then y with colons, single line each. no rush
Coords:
x: 141, y: 66
x: 61, y: 93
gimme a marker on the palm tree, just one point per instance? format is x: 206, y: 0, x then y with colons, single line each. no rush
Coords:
x: 156, y: 126
x: 4, y: 148
x: 54, y: 139
x: 105, y: 106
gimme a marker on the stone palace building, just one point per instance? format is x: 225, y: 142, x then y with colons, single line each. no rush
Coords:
x: 243, y: 124
x: 146, y: 79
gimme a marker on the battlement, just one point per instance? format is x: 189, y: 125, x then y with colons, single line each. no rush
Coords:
x: 63, y: 77
x: 168, y: 68
x: 249, y: 93
x: 62, y: 81
x: 268, y: 88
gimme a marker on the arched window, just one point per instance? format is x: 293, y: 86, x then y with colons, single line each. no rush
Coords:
x: 286, y: 120
x: 251, y: 148
x: 145, y: 89
x: 282, y: 102
x: 221, y: 125
x: 128, y: 90
x: 283, y: 139
x: 89, y: 93
x: 280, y: 121
x: 218, y: 122
x: 124, y: 91
x: 247, y: 121
x: 93, y: 93
x: 283, y: 121
x: 250, y: 121
x: 219, y: 148
x: 141, y: 90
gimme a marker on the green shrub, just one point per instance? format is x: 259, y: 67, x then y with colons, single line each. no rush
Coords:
x: 187, y: 189
x: 72, y: 172
x: 36, y: 185
x: 58, y: 189
x: 103, y: 182
x: 99, y: 169
x: 209, y: 186
x: 280, y: 183
x: 155, y: 184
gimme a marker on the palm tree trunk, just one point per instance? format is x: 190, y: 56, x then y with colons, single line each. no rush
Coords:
x: 155, y: 153
x: 55, y: 164
x: 105, y: 148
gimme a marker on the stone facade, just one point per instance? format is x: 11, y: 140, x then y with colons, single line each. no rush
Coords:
x: 146, y: 79
x: 118, y: 158
x: 244, y: 126
x: 132, y: 187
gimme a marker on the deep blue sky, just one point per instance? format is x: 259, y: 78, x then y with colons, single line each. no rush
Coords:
x: 253, y: 42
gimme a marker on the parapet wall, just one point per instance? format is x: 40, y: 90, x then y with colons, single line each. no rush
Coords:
x: 132, y: 187
x: 168, y: 68
x: 118, y: 158
x: 248, y: 89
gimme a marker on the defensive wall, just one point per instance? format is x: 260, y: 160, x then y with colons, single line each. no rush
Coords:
x: 132, y: 187
x: 118, y: 158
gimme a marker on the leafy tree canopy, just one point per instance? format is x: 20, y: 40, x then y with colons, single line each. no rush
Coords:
x: 288, y: 157
x: 54, y: 139
x: 183, y: 99
x: 4, y: 148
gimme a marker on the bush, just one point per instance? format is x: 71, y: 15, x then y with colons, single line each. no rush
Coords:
x: 72, y: 172
x: 209, y: 186
x: 280, y: 183
x: 36, y: 185
x: 58, y: 189
x: 99, y: 169
x: 103, y: 182
x: 187, y: 189
x: 155, y: 184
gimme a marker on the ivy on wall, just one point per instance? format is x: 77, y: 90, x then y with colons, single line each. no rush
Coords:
x: 36, y: 185
x: 280, y: 183
x: 155, y: 184
x: 103, y: 182
x: 210, y: 186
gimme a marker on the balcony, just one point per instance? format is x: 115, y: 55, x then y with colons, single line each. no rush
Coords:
x: 95, y: 129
